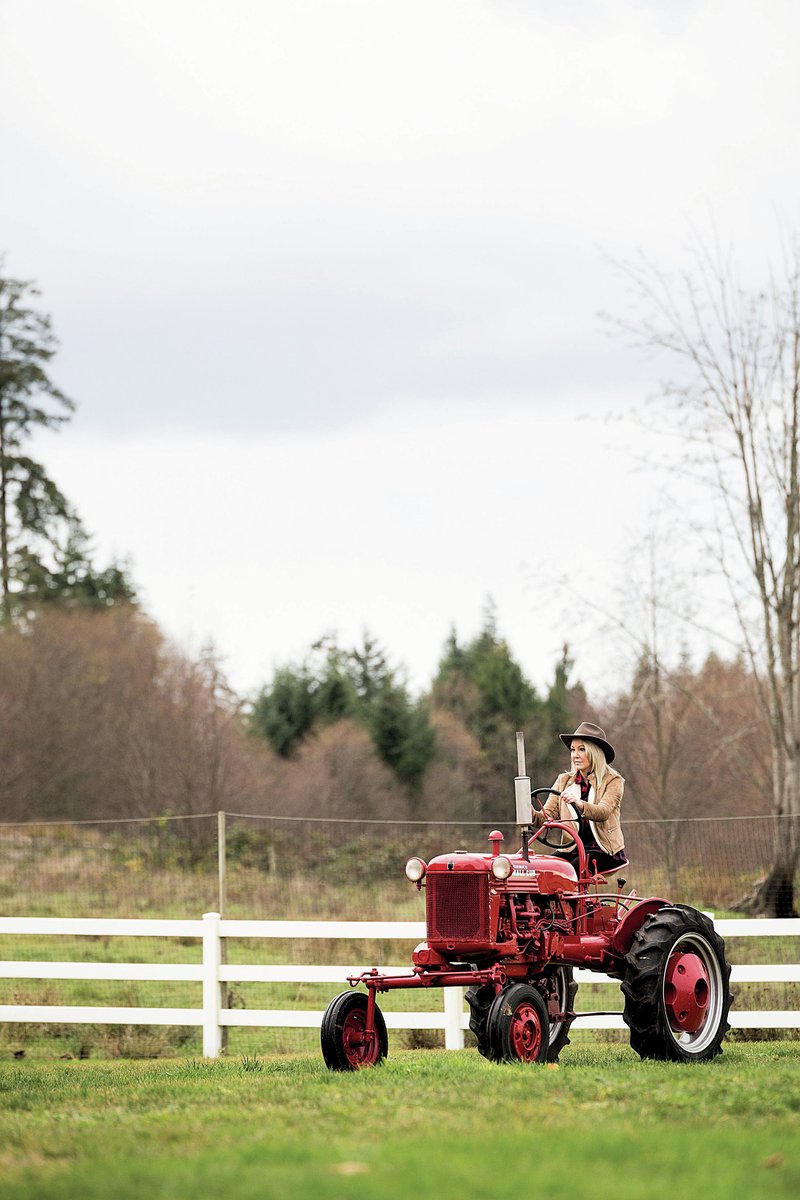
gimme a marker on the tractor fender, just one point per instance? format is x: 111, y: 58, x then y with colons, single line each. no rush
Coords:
x: 633, y: 921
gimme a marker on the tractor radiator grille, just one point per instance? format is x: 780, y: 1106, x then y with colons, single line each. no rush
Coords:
x: 457, y: 907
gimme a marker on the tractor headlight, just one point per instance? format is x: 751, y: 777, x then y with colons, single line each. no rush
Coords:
x: 415, y: 869
x: 501, y: 867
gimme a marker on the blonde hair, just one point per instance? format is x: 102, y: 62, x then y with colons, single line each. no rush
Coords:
x: 597, y: 760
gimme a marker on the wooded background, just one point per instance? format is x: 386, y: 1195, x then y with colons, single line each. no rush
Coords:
x: 100, y: 717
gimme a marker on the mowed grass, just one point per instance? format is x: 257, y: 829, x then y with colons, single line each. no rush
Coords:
x: 443, y: 1124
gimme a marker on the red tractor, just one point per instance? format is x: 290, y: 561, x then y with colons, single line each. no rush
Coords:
x: 511, y: 927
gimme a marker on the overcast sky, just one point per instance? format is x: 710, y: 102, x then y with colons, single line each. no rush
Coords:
x: 327, y: 276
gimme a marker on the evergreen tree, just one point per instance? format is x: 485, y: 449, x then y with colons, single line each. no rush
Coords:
x: 333, y: 689
x: 67, y: 576
x: 43, y: 546
x: 368, y: 670
x: 564, y: 706
x: 333, y: 684
x: 284, y: 712
x: 402, y: 733
x: 483, y: 685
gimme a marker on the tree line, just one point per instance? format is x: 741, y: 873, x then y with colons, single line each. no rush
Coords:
x: 450, y: 750
x: 101, y: 717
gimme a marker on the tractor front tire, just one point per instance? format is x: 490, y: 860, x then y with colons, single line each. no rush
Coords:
x: 558, y: 989
x: 517, y: 1026
x: 346, y: 1046
x: 480, y: 1000
x: 676, y: 987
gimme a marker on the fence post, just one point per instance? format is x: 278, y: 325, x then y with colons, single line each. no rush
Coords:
x: 212, y: 1030
x: 453, y: 1010
x: 221, y: 863
x: 222, y: 901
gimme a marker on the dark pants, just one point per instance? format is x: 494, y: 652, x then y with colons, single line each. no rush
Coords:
x: 598, y: 860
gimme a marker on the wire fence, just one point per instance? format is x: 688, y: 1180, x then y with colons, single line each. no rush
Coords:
x: 313, y: 869
x: 281, y: 867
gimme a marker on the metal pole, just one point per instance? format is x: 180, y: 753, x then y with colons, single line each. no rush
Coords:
x: 522, y: 785
x: 221, y: 865
x: 521, y: 753
x: 221, y: 902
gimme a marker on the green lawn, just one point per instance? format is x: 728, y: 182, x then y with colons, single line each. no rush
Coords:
x: 444, y: 1124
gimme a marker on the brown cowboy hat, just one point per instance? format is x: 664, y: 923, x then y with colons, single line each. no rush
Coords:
x: 590, y: 733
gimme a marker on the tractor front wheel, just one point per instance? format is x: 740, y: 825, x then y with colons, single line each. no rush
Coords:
x: 480, y: 1000
x: 518, y: 1028
x: 676, y: 987
x: 346, y: 1044
x: 558, y: 989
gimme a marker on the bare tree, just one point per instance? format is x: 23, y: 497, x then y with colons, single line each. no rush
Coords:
x: 692, y: 745
x: 735, y: 407
x: 338, y: 773
x: 651, y: 725
x: 101, y: 718
x: 652, y: 716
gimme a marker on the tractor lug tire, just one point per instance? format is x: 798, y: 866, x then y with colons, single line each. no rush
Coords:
x: 344, y: 1046
x: 676, y: 987
x: 518, y: 1026
x: 480, y: 1000
x: 562, y: 980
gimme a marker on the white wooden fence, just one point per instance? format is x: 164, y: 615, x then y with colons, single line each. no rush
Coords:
x: 214, y: 974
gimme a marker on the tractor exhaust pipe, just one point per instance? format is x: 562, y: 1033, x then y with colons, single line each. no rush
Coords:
x: 522, y: 794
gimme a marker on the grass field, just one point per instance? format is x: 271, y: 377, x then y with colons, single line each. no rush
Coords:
x: 602, y: 1123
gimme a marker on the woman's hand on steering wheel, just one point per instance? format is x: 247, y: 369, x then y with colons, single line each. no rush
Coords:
x: 542, y: 792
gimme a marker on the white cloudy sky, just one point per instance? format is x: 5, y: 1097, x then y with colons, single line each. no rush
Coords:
x: 327, y: 273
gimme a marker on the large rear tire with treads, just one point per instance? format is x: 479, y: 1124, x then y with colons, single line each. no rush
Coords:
x: 676, y: 987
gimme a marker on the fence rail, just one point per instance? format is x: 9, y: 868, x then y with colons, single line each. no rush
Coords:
x: 214, y: 973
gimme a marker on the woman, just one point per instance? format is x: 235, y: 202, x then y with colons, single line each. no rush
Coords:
x: 593, y: 790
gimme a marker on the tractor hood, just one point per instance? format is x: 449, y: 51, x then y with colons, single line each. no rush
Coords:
x: 461, y: 860
x: 551, y: 874
x: 543, y: 873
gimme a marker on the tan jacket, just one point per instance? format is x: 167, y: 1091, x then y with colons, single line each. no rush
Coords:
x: 603, y: 813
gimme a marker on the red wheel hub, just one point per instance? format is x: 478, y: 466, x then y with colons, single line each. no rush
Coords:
x: 686, y: 992
x: 360, y: 1047
x: 526, y: 1033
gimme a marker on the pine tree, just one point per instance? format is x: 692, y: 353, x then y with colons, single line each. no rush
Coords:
x: 44, y: 549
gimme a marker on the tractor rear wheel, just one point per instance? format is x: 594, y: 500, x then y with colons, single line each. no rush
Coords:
x: 480, y: 1000
x: 346, y: 1045
x: 676, y: 987
x: 518, y: 1027
x: 558, y: 990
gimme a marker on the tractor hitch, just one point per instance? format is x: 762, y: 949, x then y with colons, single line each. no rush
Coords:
x: 376, y: 981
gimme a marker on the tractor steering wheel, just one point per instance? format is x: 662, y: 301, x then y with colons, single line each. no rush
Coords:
x: 542, y: 792
x: 554, y: 839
